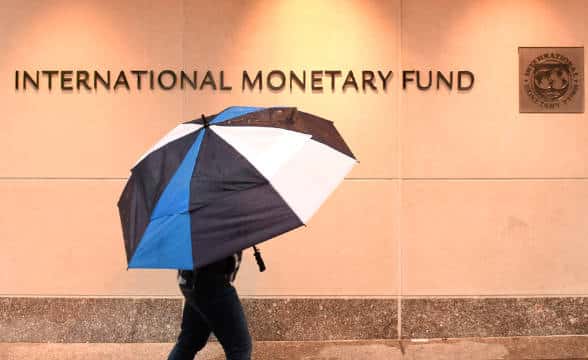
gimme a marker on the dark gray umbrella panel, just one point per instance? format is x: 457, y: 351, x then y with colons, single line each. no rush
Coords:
x: 217, y: 185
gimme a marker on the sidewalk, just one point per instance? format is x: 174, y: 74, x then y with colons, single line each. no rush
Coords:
x: 560, y: 347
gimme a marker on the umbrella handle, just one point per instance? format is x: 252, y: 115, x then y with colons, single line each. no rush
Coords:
x: 259, y: 259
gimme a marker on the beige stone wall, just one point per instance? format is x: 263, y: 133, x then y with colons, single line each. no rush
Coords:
x: 456, y: 193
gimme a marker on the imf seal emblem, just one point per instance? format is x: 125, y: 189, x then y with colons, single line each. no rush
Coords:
x: 551, y: 79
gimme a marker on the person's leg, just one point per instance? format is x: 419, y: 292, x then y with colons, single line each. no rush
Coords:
x: 227, y: 321
x: 194, y: 332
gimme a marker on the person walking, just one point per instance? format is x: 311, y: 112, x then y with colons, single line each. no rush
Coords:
x: 212, y: 305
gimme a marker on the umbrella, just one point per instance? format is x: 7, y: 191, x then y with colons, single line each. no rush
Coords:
x: 220, y: 184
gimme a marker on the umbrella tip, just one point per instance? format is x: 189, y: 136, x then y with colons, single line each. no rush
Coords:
x: 204, y: 121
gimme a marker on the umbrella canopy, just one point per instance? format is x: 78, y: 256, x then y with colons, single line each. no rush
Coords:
x: 220, y: 184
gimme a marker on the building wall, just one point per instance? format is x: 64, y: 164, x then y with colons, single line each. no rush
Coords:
x: 457, y: 194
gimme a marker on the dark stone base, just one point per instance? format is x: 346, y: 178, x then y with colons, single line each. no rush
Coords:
x: 321, y: 319
x: 71, y: 320
x: 107, y: 320
x: 129, y: 320
x: 494, y: 317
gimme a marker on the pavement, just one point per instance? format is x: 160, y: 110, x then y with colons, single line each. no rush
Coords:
x: 545, y: 348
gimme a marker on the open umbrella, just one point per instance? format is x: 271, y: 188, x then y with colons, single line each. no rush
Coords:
x: 219, y: 184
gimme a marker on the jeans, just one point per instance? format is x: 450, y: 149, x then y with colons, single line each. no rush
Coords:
x: 212, y: 305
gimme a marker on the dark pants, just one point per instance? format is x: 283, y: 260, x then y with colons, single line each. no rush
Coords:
x: 212, y: 305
